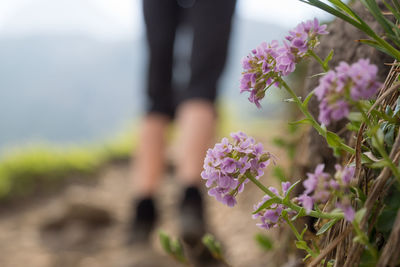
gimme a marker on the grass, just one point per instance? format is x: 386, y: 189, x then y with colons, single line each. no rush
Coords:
x: 25, y: 170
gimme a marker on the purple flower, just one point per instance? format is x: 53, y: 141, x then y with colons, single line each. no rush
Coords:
x: 344, y: 174
x: 315, y: 178
x: 227, y: 164
x: 269, y: 62
x: 317, y: 188
x: 307, y: 202
x: 348, y: 210
x: 305, y: 36
x: 271, y: 216
x: 348, y: 82
x: 229, y: 200
x: 285, y: 187
x: 285, y: 62
x: 320, y: 186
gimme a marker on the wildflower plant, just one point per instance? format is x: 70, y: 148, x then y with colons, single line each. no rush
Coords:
x: 270, y: 62
x: 346, y: 92
x: 228, y: 164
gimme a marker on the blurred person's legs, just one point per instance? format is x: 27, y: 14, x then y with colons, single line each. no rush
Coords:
x: 196, y: 114
x: 161, y: 19
x: 196, y: 122
x: 211, y: 24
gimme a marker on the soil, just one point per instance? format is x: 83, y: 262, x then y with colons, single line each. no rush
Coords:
x: 85, y: 225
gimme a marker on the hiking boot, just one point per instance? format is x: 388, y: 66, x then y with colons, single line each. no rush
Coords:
x: 193, y: 228
x: 143, y: 220
x: 191, y: 217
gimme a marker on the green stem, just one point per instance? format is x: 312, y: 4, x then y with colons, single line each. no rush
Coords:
x: 290, y: 204
x: 314, y: 123
x: 317, y: 58
x: 260, y: 185
x: 299, y: 238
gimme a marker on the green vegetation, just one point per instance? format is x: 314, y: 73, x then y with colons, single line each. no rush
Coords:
x: 26, y: 170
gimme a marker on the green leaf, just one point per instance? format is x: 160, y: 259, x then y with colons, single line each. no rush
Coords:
x: 389, y: 135
x: 388, y: 215
x: 317, y: 208
x: 370, y: 156
x: 306, y: 257
x: 335, y: 12
x: 373, y: 7
x: 307, y: 99
x: 379, y: 164
x: 212, y: 245
x: 264, y: 242
x: 345, y: 8
x: 301, y: 245
x: 397, y: 108
x: 360, y: 193
x: 378, y: 140
x: 359, y: 215
x: 376, y: 45
x: 315, y: 246
x: 290, y: 189
x: 386, y: 220
x: 367, y: 260
x: 393, y: 10
x: 165, y: 242
x: 355, y: 116
x: 384, y: 116
x: 333, y: 139
x: 389, y: 111
x: 353, y: 126
x: 318, y: 74
x: 328, y: 58
x: 303, y: 121
x: 358, y: 239
x: 396, y: 5
x: 177, y: 249
x: 327, y: 226
x: 301, y: 213
x: 304, y: 231
x: 267, y: 204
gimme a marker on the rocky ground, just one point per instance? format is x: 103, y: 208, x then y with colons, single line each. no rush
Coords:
x: 85, y: 225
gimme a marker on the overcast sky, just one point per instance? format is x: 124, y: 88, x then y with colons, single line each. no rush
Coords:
x: 116, y: 19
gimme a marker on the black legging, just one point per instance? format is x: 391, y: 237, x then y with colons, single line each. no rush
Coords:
x: 211, y: 24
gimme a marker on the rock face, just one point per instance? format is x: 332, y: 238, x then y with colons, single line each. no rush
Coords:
x: 342, y: 39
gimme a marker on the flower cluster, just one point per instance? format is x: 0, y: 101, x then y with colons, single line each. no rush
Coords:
x: 227, y: 164
x: 269, y: 62
x: 320, y: 185
x: 271, y: 217
x: 337, y: 89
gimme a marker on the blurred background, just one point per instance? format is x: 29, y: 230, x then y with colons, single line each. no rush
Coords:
x: 73, y: 71
x: 72, y: 78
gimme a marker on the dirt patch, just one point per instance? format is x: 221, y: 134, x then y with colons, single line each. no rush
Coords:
x: 85, y: 225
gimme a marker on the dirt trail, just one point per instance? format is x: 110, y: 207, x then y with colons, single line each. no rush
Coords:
x: 46, y: 234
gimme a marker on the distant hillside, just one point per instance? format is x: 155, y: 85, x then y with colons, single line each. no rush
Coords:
x: 74, y: 88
